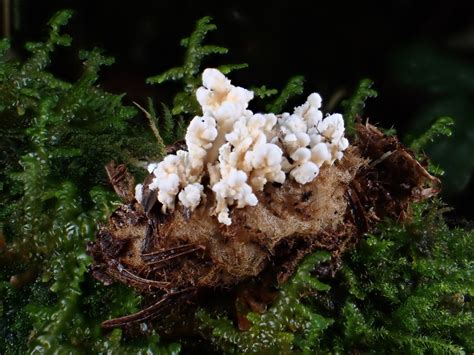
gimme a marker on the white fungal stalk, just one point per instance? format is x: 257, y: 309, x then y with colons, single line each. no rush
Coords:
x: 241, y: 151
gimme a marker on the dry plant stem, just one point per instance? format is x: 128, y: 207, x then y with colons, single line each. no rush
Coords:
x: 164, y: 256
x: 152, y: 124
x: 121, y: 180
x: 377, y: 178
x: 149, y: 312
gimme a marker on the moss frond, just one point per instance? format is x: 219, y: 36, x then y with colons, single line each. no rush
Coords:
x: 289, y: 325
x: 185, y: 105
x: 293, y: 88
x: 354, y: 106
x: 56, y: 138
x: 263, y: 92
x: 441, y: 127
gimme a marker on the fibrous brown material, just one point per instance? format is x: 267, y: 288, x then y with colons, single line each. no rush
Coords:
x: 172, y: 255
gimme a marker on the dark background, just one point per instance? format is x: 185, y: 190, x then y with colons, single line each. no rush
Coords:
x: 420, y: 55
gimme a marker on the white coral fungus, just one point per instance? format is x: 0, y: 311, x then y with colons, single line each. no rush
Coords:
x: 241, y: 151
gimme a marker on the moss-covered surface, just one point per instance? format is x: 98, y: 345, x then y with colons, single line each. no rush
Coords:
x: 406, y: 287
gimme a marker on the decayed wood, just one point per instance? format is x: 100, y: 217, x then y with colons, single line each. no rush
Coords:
x: 165, y: 254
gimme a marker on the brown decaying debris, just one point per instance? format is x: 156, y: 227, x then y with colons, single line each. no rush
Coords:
x: 172, y: 256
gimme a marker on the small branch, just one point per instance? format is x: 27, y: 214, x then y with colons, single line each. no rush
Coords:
x: 382, y: 158
x: 150, y: 312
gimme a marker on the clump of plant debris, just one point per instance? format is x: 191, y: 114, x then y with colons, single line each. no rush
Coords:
x: 173, y: 250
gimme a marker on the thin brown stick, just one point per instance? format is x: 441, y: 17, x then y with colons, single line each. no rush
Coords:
x: 335, y: 99
x: 140, y: 316
x: 127, y: 274
x: 145, y: 314
x: 179, y: 247
x: 159, y: 258
x: 382, y: 158
x: 148, y: 240
x: 153, y: 127
x: 130, y: 276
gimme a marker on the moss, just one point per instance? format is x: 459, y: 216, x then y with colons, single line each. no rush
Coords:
x: 354, y: 106
x: 293, y: 88
x: 185, y: 105
x: 56, y: 138
x: 407, y: 287
x: 288, y: 325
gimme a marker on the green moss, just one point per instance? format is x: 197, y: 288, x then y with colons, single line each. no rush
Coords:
x: 185, y: 105
x: 294, y: 87
x: 263, y: 92
x: 56, y: 138
x: 441, y: 127
x: 354, y: 106
x: 289, y: 324
x: 407, y: 287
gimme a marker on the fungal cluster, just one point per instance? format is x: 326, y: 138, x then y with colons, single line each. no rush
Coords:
x: 239, y: 151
